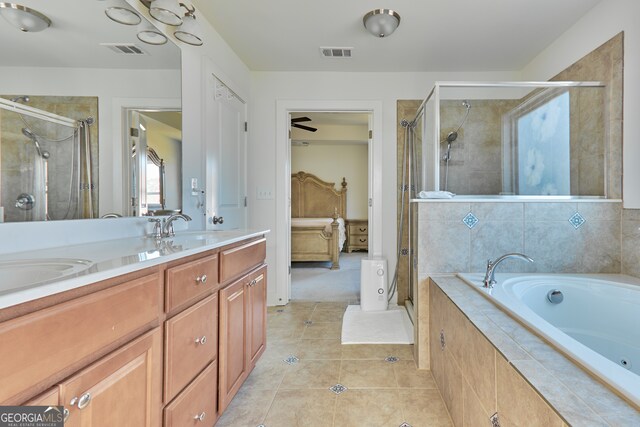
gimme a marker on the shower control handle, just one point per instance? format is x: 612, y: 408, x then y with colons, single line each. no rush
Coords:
x: 25, y: 201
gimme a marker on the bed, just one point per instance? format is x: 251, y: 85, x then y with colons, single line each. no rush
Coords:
x: 317, y: 219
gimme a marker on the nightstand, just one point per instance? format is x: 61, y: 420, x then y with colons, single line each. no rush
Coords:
x: 357, y: 235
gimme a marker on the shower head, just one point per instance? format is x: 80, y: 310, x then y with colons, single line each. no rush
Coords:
x: 452, y: 136
x: 32, y: 136
x: 23, y: 98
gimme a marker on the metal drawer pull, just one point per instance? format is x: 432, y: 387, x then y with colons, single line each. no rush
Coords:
x: 200, y: 417
x: 253, y: 282
x: 202, y: 340
x: 201, y: 279
x: 362, y: 240
x: 84, y: 400
x: 363, y: 229
x: 65, y: 415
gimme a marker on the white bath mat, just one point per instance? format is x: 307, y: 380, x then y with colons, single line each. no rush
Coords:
x: 376, y: 327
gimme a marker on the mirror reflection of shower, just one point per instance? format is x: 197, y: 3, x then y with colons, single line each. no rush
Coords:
x: 451, y: 137
x: 48, y: 176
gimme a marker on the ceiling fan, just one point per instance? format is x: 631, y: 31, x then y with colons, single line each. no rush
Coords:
x: 295, y: 123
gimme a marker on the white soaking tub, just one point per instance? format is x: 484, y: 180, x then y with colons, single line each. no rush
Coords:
x: 597, y: 321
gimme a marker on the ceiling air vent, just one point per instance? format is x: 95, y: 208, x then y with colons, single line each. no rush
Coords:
x: 125, y: 49
x: 336, y: 52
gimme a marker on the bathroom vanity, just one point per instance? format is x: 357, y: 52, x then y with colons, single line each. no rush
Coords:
x: 168, y: 342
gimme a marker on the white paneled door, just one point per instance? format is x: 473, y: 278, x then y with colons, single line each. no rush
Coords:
x: 226, y: 161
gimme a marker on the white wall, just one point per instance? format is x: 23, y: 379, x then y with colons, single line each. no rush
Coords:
x: 600, y: 24
x: 333, y: 162
x: 270, y: 87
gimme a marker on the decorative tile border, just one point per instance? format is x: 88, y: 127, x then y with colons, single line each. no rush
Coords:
x: 470, y: 220
x: 577, y: 220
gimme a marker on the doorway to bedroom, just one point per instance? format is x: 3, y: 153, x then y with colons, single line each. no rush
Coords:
x: 329, y: 160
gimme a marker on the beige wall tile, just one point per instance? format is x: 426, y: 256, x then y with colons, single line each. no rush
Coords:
x: 474, y: 413
x: 452, y: 393
x: 478, y: 367
x: 437, y: 322
x: 518, y: 403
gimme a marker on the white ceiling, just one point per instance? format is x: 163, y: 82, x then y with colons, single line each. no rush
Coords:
x: 434, y: 35
x: 74, y: 37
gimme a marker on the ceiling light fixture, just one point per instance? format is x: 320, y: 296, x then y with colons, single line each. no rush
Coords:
x: 25, y: 19
x: 381, y: 22
x: 189, y: 31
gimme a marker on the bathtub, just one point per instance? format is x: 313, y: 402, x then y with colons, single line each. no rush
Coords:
x: 597, y: 323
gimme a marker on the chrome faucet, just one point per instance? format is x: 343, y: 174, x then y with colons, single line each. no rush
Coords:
x: 167, y: 228
x: 489, y: 277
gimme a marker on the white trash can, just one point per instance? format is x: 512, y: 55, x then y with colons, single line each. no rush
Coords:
x: 373, y: 284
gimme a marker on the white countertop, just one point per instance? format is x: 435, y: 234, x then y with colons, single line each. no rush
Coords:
x: 108, y: 259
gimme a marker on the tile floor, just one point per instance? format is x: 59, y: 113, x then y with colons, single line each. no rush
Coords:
x: 298, y: 392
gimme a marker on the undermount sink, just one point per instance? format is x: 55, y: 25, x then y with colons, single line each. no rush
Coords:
x: 21, y: 273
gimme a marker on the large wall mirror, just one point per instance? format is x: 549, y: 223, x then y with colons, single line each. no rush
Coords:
x: 69, y: 141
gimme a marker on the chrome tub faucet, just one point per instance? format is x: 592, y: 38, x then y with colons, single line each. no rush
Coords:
x: 489, y: 276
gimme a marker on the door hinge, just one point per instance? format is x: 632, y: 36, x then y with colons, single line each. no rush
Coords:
x: 289, y: 269
x: 289, y: 133
x: 133, y: 132
x: 245, y: 126
x: 370, y: 202
x: 370, y: 134
x: 133, y: 202
x: 245, y: 201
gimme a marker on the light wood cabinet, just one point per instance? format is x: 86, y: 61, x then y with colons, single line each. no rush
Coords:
x: 233, y: 340
x: 357, y: 235
x: 197, y: 404
x: 168, y: 345
x: 191, y: 342
x: 122, y: 389
x: 256, y: 315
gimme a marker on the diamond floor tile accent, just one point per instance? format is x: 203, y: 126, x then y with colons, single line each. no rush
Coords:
x: 577, y: 220
x: 308, y: 322
x: 405, y: 425
x: 470, y: 220
x: 338, y: 388
x: 392, y: 359
x: 291, y: 360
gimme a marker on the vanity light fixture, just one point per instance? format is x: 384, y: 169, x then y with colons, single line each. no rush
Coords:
x: 123, y: 15
x: 23, y: 18
x: 149, y: 34
x: 189, y: 31
x: 166, y: 11
x: 381, y: 22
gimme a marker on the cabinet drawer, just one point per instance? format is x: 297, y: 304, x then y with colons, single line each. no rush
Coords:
x: 187, y: 282
x: 197, y: 401
x: 38, y: 346
x: 241, y: 259
x: 48, y: 398
x: 359, y: 241
x: 191, y: 342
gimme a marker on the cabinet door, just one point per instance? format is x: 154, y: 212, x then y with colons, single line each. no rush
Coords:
x: 122, y: 389
x: 257, y: 315
x: 232, y: 336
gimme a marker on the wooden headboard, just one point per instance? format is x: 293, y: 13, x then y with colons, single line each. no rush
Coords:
x: 312, y: 197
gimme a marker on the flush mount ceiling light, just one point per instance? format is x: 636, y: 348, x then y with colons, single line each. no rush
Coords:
x: 166, y: 11
x: 381, y: 22
x: 189, y: 31
x: 24, y: 18
x: 122, y: 15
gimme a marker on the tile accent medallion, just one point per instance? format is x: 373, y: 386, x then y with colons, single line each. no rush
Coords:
x: 577, y: 220
x: 308, y: 322
x: 291, y: 360
x: 405, y: 425
x: 470, y: 220
x: 280, y: 311
x: 338, y: 388
x: 495, y: 422
x: 391, y: 359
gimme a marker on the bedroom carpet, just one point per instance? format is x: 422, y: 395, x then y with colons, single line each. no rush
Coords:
x: 314, y: 281
x: 376, y: 327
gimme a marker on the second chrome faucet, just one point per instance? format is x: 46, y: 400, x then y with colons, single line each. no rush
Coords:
x: 489, y: 276
x: 164, y: 228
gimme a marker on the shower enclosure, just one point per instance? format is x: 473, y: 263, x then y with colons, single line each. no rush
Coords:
x: 47, y: 160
